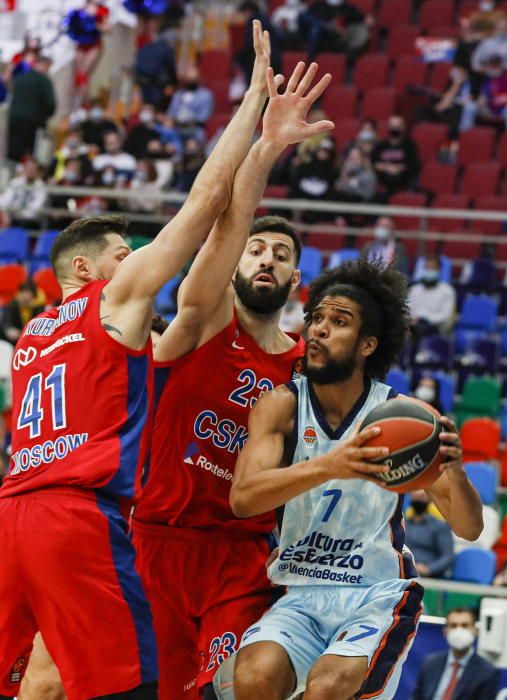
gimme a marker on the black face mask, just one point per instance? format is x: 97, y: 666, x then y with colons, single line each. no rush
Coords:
x: 419, y: 507
x: 396, y: 133
x: 429, y: 283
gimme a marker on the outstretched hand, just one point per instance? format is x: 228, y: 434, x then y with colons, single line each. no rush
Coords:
x: 285, y: 117
x: 262, y: 47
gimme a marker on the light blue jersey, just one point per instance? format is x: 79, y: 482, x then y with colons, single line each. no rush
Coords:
x: 346, y: 532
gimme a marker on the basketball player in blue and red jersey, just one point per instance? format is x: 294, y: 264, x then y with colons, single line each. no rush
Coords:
x: 81, y: 416
x: 203, y: 568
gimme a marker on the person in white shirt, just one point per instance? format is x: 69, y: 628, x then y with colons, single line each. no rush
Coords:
x: 292, y: 319
x: 19, y: 205
x: 115, y: 157
x: 432, y: 302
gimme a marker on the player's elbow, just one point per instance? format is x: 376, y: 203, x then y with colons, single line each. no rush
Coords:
x: 212, y: 196
x: 470, y: 530
x: 241, y: 503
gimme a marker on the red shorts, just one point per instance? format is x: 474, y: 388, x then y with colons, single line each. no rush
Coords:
x: 67, y: 569
x: 205, y: 590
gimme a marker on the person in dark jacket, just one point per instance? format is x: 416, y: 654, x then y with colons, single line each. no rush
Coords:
x: 334, y: 25
x: 428, y: 538
x: 33, y: 103
x: 396, y: 158
x: 460, y: 673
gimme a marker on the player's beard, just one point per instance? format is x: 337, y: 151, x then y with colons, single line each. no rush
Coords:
x: 261, y: 300
x: 333, y: 371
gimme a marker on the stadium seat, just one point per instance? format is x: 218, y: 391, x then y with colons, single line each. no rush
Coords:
x: 408, y: 199
x: 371, y: 71
x: 446, y: 390
x: 480, y: 355
x: 454, y: 247
x: 429, y: 138
x: 401, y: 40
x: 220, y: 90
x: 480, y: 438
x: 218, y: 120
x: 449, y: 201
x: 290, y: 59
x: 310, y: 265
x: 440, y: 76
x: 394, y: 12
x: 438, y: 178
x: 11, y: 276
x: 479, y: 276
x: 165, y: 303
x: 485, y: 478
x: 378, y: 103
x: 501, y: 154
x: 409, y: 71
x: 399, y: 380
x: 435, y: 352
x: 367, y: 7
x: 342, y: 256
x: 38, y: 264
x: 276, y: 191
x: 492, y: 203
x: 345, y: 131
x: 445, y: 269
x: 13, y: 245
x: 435, y: 13
x: 479, y: 312
x: 215, y: 64
x: 480, y: 179
x: 44, y: 243
x: 333, y: 63
x: 45, y: 279
x: 340, y: 102
x: 479, y: 140
x: 475, y: 566
x: 481, y: 397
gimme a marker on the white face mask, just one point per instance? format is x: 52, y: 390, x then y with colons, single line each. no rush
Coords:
x: 486, y: 6
x: 425, y: 393
x: 460, y: 638
x: 381, y: 233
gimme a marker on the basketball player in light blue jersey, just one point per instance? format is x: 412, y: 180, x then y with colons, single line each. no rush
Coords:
x: 350, y: 613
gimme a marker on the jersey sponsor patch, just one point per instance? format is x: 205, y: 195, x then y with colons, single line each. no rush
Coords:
x: 195, y: 459
x: 24, y: 357
x: 17, y: 669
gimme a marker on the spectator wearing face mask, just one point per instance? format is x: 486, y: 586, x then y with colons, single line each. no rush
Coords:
x: 191, y: 163
x: 487, y: 15
x: 428, y: 390
x: 334, y: 25
x: 495, y: 45
x: 143, y: 134
x: 428, y: 538
x: 24, y: 197
x: 191, y: 106
x: 432, y: 302
x: 385, y: 248
x: 72, y: 148
x: 313, y: 173
x: 396, y: 158
x: 122, y: 163
x: 491, y: 104
x: 285, y: 19
x: 71, y: 176
x: 28, y: 303
x: 455, y: 106
x: 357, y: 181
x: 97, y: 125
x: 460, y: 673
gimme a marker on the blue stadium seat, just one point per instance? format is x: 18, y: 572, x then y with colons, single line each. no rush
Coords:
x: 475, y: 566
x: 399, y: 380
x: 447, y: 389
x: 485, y: 479
x: 13, y: 245
x: 38, y: 263
x: 310, y: 265
x: 164, y: 302
x: 464, y: 336
x: 479, y: 275
x: 503, y: 421
x: 44, y: 243
x: 481, y: 354
x: 341, y: 256
x: 445, y: 269
x: 479, y: 313
x: 435, y: 351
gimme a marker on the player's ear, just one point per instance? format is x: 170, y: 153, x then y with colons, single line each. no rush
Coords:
x: 296, y: 280
x: 81, y: 267
x: 368, y: 345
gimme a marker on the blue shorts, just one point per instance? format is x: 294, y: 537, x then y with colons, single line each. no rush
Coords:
x: 379, y: 622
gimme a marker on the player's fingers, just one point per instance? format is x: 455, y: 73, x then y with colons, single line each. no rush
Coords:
x: 294, y: 78
x: 267, y: 43
x: 449, y: 424
x: 368, y: 453
x: 450, y: 438
x: 307, y: 79
x: 270, y: 77
x: 257, y: 42
x: 279, y: 81
x: 366, y: 434
x: 449, y: 451
x: 367, y: 468
x: 449, y: 465
x: 320, y: 127
x: 318, y: 89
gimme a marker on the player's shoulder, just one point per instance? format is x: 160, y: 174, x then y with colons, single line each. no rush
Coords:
x: 276, y: 408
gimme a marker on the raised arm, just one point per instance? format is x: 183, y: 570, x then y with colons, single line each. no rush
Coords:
x: 259, y: 485
x: 453, y: 493
x: 203, y: 303
x: 140, y: 276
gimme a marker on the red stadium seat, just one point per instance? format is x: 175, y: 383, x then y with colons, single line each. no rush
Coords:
x: 378, y: 103
x: 218, y: 120
x: 215, y: 64
x: 438, y: 178
x: 333, y: 63
x: 408, y: 199
x: 449, y: 201
x: 324, y: 241
x: 429, y: 138
x: 371, y: 71
x: 290, y: 59
x: 340, y: 102
x: 367, y: 7
x: 501, y: 156
x: 480, y: 438
x: 409, y: 71
x: 491, y: 203
x: 455, y: 247
x: 480, y: 179
x: 445, y: 31
x: 476, y: 144
x: 220, y: 90
x: 401, y: 40
x: 393, y: 13
x: 276, y: 191
x: 440, y: 76
x: 45, y: 279
x: 435, y: 13
x: 345, y: 131
x: 11, y: 276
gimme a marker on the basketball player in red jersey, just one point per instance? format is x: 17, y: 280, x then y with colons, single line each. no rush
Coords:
x: 81, y: 411
x: 204, y: 569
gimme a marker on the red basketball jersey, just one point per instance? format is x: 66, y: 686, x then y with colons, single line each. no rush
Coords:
x: 82, y: 403
x: 202, y: 404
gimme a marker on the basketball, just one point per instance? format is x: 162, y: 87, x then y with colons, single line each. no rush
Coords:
x: 411, y: 429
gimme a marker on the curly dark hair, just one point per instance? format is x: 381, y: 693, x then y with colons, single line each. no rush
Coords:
x: 381, y: 293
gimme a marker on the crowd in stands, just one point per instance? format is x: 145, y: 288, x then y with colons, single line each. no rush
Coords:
x: 409, y: 130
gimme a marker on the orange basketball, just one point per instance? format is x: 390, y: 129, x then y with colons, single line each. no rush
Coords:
x: 411, y: 429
